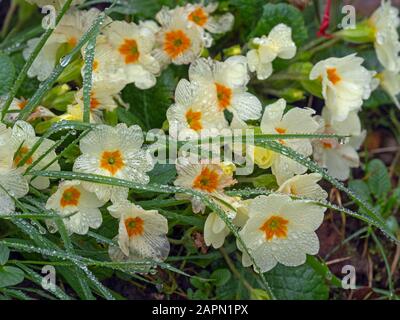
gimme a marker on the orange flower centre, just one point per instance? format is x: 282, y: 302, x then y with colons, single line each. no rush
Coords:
x: 275, y: 226
x: 22, y: 104
x: 112, y: 161
x: 175, y: 43
x: 134, y: 226
x: 20, y: 154
x: 72, y: 41
x: 327, y: 145
x: 207, y: 180
x: 333, y: 75
x: 193, y: 119
x: 94, y: 103
x: 129, y: 49
x: 70, y: 197
x: 95, y: 65
x: 198, y: 16
x: 224, y: 96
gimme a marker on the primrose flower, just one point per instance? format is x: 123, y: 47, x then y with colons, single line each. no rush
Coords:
x: 226, y: 83
x: 101, y: 96
x: 339, y: 157
x: 345, y: 84
x: 200, y: 15
x: 12, y: 183
x: 134, y: 44
x: 209, y: 178
x: 282, y: 230
x: 305, y: 185
x: 278, y: 44
x: 193, y: 114
x: 390, y: 82
x: 295, y: 121
x: 78, y: 207
x: 107, y: 65
x: 67, y: 34
x: 177, y: 41
x: 385, y: 21
x: 23, y: 138
x: 17, y: 105
x: 113, y: 152
x: 142, y: 234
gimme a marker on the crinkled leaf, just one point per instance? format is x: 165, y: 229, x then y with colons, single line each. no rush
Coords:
x: 378, y: 178
x: 220, y: 277
x: 162, y: 173
x: 297, y: 283
x: 150, y: 105
x: 360, y: 187
x: 273, y: 14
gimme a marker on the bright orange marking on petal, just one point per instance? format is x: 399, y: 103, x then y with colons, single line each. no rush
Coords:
x: 207, y: 180
x: 129, y: 49
x: 70, y: 197
x: 20, y: 154
x: 95, y: 65
x: 333, y: 75
x: 224, y: 96
x: 22, y: 104
x: 280, y: 130
x: 72, y: 42
x: 275, y: 226
x: 94, y: 103
x: 198, y: 16
x: 327, y: 145
x: 134, y: 226
x: 112, y: 161
x: 194, y: 119
x: 176, y: 42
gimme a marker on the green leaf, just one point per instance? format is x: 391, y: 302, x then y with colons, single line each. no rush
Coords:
x: 378, y: 178
x: 10, y: 276
x: 150, y: 105
x: 377, y: 99
x: 4, y: 254
x: 221, y: 277
x: 243, y: 9
x: 273, y: 14
x: 144, y: 8
x: 267, y: 181
x: 162, y: 173
x: 360, y: 187
x: 7, y: 74
x: 297, y: 283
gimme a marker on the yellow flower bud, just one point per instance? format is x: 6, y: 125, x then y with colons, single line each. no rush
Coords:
x: 263, y: 157
x: 228, y: 168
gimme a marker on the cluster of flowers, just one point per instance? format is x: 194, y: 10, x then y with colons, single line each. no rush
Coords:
x: 275, y: 228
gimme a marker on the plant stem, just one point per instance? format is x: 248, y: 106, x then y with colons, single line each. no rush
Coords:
x: 8, y: 19
x: 324, y: 45
x: 237, y: 274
